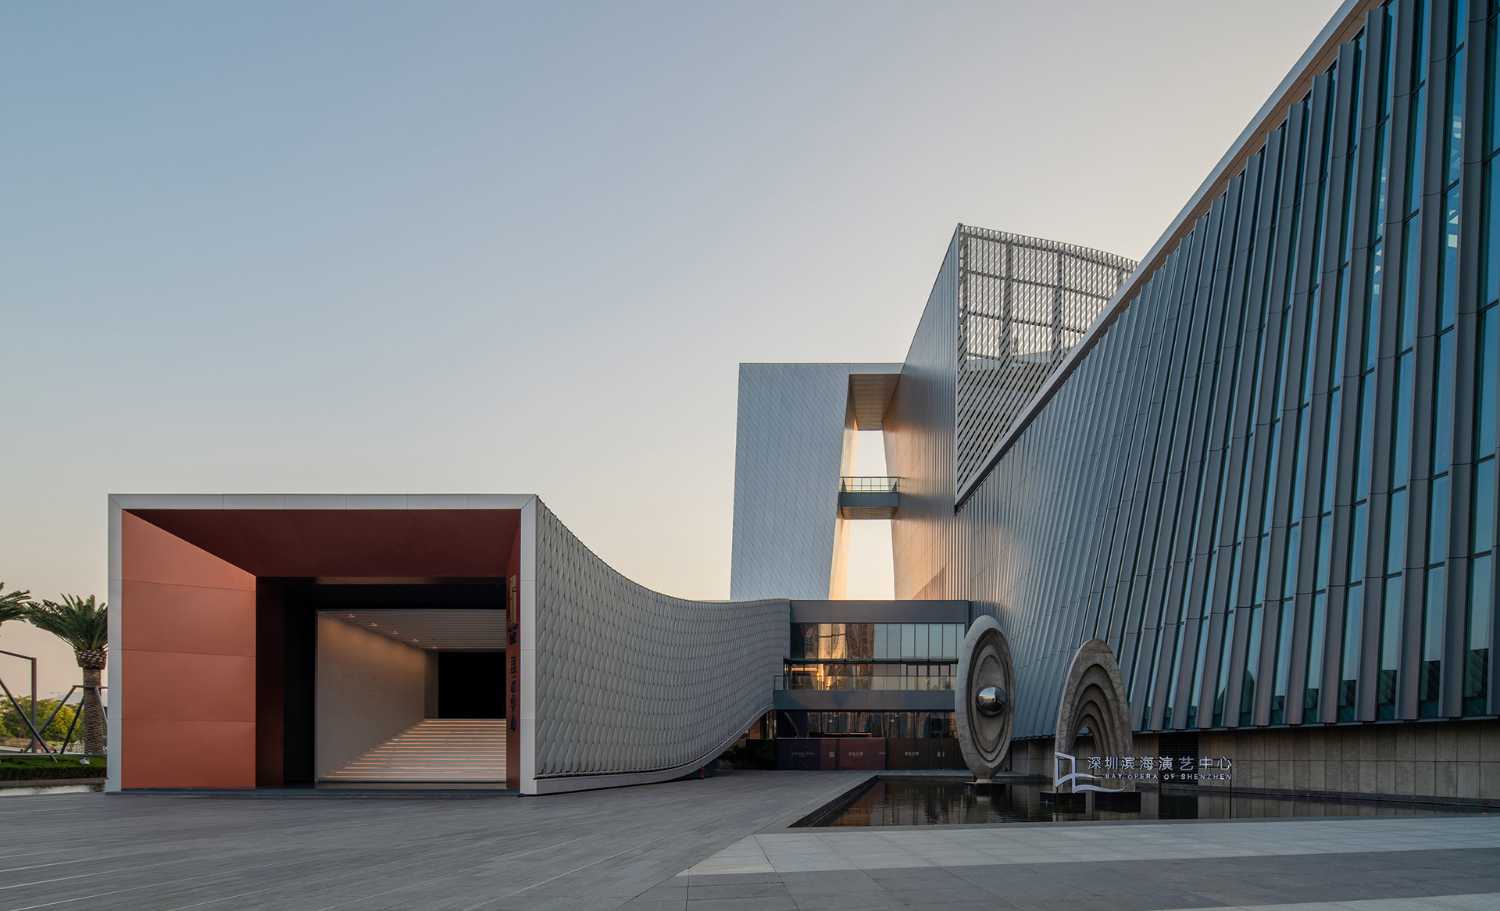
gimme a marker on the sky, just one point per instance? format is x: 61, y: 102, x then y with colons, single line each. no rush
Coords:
x: 422, y: 248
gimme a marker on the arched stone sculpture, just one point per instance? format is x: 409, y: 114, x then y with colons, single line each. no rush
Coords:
x: 984, y: 695
x: 1093, y: 697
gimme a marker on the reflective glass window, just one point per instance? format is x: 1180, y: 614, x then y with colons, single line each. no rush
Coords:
x: 1477, y: 645
x: 1484, y: 505
x: 1437, y: 527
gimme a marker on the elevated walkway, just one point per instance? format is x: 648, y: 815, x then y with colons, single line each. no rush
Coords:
x: 435, y: 751
x: 869, y: 497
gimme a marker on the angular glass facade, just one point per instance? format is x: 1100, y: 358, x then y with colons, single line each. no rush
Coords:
x: 913, y: 657
x: 1268, y: 477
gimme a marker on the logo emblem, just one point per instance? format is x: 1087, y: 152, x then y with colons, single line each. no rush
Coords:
x: 1075, y: 778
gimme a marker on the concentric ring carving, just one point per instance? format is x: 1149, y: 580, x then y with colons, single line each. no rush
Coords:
x: 984, y: 695
x: 1093, y: 698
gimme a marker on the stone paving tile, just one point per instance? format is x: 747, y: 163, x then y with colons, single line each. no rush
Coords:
x: 591, y: 850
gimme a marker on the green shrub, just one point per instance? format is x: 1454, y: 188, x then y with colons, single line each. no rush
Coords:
x: 43, y: 768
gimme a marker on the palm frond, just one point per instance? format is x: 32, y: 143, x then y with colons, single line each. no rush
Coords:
x: 80, y: 622
x: 14, y: 604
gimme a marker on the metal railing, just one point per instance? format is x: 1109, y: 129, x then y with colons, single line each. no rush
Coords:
x: 38, y: 740
x: 887, y: 678
x: 869, y: 484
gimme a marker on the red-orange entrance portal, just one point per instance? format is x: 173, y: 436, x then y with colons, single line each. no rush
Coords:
x: 202, y: 634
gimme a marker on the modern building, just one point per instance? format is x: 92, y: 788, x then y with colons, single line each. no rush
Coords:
x: 1266, y: 475
x: 273, y: 641
x: 1256, y: 471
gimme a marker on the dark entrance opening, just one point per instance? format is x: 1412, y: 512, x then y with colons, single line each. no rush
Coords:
x: 471, y: 684
x: 286, y: 659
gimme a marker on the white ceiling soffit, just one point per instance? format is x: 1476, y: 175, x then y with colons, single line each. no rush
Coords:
x: 870, y: 395
x: 438, y: 629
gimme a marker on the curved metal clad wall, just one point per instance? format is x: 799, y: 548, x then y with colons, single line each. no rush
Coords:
x: 1269, y: 482
x: 634, y: 685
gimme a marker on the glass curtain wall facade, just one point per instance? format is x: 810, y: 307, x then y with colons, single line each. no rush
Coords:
x: 913, y: 657
x: 1268, y: 478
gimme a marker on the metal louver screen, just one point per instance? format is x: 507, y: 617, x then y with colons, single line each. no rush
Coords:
x: 1023, y: 303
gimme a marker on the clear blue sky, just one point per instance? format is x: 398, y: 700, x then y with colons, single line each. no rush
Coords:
x: 380, y: 247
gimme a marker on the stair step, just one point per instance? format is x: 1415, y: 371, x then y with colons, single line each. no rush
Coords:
x: 434, y: 750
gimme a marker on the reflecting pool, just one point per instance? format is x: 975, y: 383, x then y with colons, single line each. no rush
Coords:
x: 896, y: 801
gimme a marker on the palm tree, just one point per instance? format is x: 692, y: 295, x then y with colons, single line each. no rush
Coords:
x: 13, y: 605
x: 84, y: 625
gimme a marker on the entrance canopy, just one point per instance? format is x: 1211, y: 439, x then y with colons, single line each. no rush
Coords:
x: 206, y: 594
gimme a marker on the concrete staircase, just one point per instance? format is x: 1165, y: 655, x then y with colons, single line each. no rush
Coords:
x: 435, y: 751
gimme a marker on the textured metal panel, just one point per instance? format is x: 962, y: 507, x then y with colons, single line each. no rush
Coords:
x: 1196, y: 461
x: 792, y: 443
x: 631, y: 682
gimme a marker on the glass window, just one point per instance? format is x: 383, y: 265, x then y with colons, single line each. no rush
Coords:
x: 1390, y: 645
x: 880, y: 640
x: 1401, y: 433
x: 1492, y: 231
x: 920, y: 638
x: 1395, y: 556
x: 861, y: 640
x: 1283, y: 659
x: 1484, y: 505
x: 1411, y: 281
x: 1358, y: 535
x: 1449, y: 303
x: 908, y: 640
x: 1487, y: 353
x: 1293, y: 556
x: 1252, y: 668
x: 1430, y: 671
x: 1437, y: 527
x: 1315, y: 643
x: 1442, y: 406
x: 950, y: 640
x: 1349, y: 660
x: 1477, y: 651
x: 935, y: 640
x: 1366, y: 437
x: 1325, y: 550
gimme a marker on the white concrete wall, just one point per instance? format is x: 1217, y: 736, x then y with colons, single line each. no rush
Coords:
x: 369, y: 689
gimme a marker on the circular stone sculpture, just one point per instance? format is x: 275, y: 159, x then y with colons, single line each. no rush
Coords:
x: 984, y: 698
x: 1093, y: 697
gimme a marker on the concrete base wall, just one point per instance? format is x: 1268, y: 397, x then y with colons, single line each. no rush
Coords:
x: 1443, y: 759
x: 1448, y: 759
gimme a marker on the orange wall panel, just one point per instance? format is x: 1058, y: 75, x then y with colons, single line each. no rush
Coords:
x: 149, y: 554
x: 163, y: 686
x: 181, y: 618
x: 179, y: 754
x: 187, y: 664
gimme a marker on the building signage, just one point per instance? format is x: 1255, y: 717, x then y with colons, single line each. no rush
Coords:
x: 1160, y: 769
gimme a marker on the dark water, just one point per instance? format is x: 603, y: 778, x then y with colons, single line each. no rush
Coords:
x: 949, y: 801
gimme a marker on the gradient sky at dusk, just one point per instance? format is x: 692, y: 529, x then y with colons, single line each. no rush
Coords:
x: 401, y: 247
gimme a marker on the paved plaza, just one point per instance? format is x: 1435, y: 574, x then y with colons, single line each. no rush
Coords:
x: 720, y: 843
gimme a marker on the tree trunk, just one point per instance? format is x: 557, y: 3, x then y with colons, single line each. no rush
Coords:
x: 93, y: 713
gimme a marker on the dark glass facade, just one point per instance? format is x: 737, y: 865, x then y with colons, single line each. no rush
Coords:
x: 913, y: 657
x: 890, y: 724
x: 1268, y: 477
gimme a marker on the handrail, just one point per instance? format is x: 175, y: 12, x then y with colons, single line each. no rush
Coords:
x: 37, y: 732
x: 36, y: 737
x: 869, y: 484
